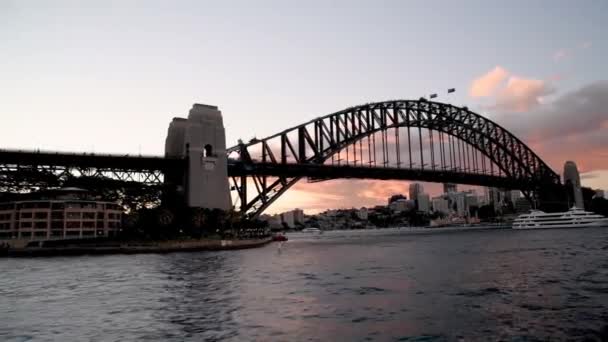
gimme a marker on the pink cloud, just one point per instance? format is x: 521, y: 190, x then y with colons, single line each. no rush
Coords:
x: 521, y: 94
x: 487, y: 84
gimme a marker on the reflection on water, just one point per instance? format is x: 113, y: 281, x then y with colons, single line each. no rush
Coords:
x: 377, y: 286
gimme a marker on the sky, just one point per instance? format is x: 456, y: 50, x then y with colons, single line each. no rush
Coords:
x: 108, y: 76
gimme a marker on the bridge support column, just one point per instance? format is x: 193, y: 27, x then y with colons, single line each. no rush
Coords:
x: 201, y: 138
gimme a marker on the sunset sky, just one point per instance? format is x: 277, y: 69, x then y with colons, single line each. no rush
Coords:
x: 109, y: 76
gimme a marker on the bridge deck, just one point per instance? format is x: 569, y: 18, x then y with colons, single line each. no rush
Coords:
x: 106, y: 161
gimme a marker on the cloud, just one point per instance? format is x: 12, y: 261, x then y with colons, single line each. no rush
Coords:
x: 517, y: 94
x: 560, y: 54
x: 486, y: 84
x: 585, y: 45
x: 573, y: 126
x: 521, y: 94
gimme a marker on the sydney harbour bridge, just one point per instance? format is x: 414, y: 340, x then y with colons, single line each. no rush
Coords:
x: 416, y: 140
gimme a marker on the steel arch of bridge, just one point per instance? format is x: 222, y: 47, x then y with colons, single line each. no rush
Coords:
x: 303, y: 151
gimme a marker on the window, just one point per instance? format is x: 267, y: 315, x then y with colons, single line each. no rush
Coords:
x: 100, y: 224
x: 56, y: 224
x: 72, y: 224
x: 100, y: 215
x: 43, y: 205
x: 88, y: 216
x: 40, y: 234
x: 88, y: 224
x: 58, y: 206
x: 25, y: 224
x: 41, y: 215
x: 88, y: 233
x: 73, y: 215
x: 57, y: 215
x: 208, y: 150
x: 56, y: 233
x: 72, y: 233
x: 40, y: 225
x: 26, y: 235
x: 26, y: 214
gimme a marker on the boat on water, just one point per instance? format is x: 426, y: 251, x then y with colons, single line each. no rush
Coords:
x: 312, y: 230
x: 279, y: 237
x: 573, y: 218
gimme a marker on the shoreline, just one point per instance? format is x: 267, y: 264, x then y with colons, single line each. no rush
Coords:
x: 135, y: 247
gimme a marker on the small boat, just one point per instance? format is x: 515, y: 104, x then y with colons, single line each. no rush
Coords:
x: 312, y: 230
x: 279, y: 237
x: 573, y: 218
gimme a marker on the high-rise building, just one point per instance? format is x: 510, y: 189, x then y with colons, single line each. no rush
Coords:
x: 571, y: 176
x: 415, y: 190
x: 449, y: 188
x: 424, y: 204
x: 298, y: 215
x: 492, y: 196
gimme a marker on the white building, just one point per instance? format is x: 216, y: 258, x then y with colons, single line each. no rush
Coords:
x: 440, y: 204
x: 287, y: 218
x: 423, y: 201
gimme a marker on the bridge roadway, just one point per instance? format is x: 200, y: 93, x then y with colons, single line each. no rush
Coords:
x: 12, y: 160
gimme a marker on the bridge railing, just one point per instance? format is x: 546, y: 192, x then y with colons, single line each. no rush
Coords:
x: 72, y: 153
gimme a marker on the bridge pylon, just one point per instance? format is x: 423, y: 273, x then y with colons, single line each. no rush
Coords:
x: 201, y: 140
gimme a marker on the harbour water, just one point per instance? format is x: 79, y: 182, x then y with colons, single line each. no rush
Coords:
x: 383, y: 285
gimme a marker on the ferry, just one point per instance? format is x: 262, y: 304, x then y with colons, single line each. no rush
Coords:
x: 573, y: 218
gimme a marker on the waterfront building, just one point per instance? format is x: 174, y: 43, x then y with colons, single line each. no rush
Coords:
x: 68, y: 213
x: 522, y: 205
x: 493, y: 196
x: 287, y: 218
x: 298, y: 215
x: 515, y: 195
x: 290, y: 218
x: 571, y: 176
x: 362, y: 214
x: 423, y: 202
x: 441, y: 204
x: 415, y: 190
x: 449, y: 188
x: 402, y: 205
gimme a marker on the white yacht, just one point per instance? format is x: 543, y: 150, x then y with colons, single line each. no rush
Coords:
x: 573, y: 218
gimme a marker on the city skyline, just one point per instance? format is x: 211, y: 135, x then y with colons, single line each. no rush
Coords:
x: 109, y: 78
